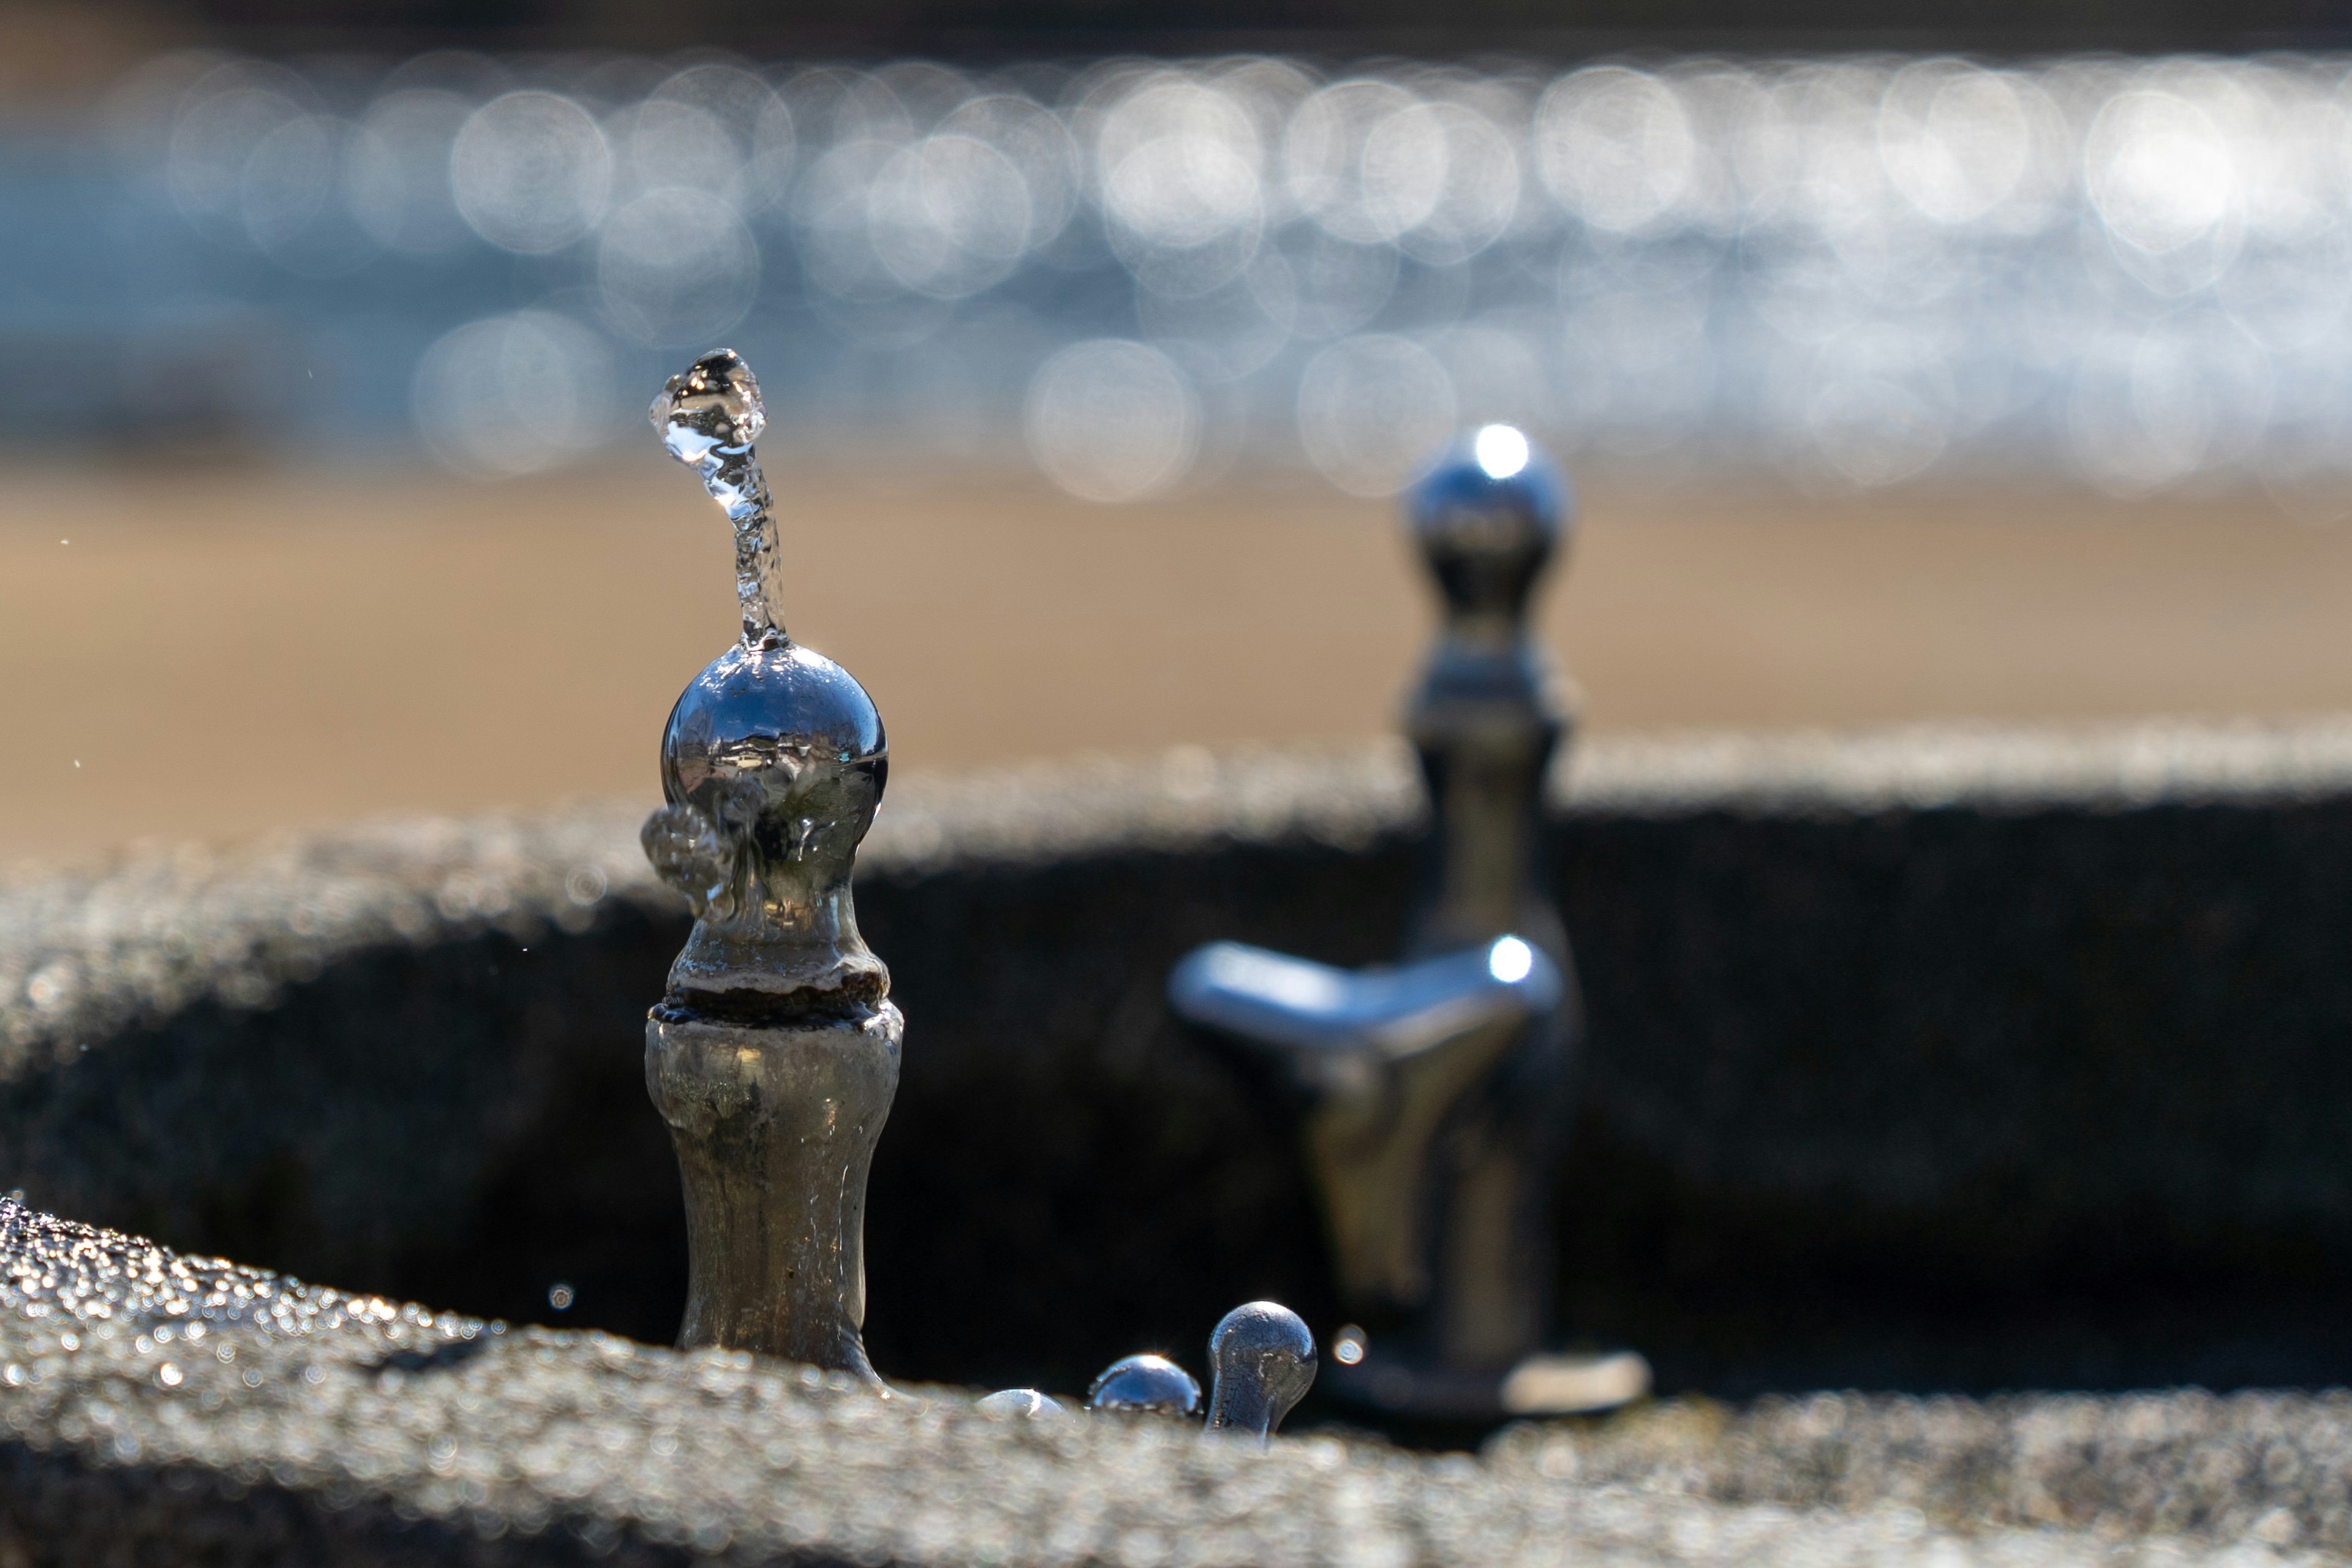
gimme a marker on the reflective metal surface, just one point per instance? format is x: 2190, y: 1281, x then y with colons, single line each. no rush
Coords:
x: 1262, y: 1363
x: 1145, y: 1385
x: 773, y: 1054
x: 1437, y: 1090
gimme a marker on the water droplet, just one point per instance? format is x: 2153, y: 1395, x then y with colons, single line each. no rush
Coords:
x: 708, y: 416
x: 168, y: 1376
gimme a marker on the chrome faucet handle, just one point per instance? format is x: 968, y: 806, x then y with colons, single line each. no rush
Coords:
x: 1437, y: 1091
x: 1262, y: 1363
x: 1145, y: 1385
x: 1384, y: 1058
x: 1342, y: 1031
x: 773, y: 1055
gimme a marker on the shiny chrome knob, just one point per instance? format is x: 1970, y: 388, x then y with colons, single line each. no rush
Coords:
x: 1437, y: 1090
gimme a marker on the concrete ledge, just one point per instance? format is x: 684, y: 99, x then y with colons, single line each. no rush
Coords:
x: 158, y: 1408
x: 1945, y: 1058
x: 87, y: 949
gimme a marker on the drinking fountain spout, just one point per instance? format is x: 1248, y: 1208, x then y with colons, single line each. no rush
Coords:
x: 1437, y: 1092
x: 773, y: 1054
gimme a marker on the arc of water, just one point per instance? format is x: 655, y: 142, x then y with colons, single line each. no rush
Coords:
x: 709, y: 414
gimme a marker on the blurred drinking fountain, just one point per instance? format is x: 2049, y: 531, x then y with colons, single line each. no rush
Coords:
x: 1437, y: 1090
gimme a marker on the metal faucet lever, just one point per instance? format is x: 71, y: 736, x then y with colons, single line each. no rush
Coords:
x: 1437, y: 1090
x: 773, y: 1055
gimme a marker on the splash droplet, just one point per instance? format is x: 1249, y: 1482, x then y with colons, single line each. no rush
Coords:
x: 708, y: 416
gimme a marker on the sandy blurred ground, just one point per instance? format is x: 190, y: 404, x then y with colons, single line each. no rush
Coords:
x: 209, y: 653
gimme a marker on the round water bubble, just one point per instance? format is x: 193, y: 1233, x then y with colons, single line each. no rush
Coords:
x: 1111, y: 420
x: 514, y: 394
x: 530, y: 172
x: 1371, y: 409
x: 677, y: 266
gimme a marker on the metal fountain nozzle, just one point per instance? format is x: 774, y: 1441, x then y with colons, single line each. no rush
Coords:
x: 1437, y: 1092
x: 773, y: 1054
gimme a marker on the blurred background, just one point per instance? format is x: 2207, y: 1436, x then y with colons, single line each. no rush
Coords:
x: 2001, y: 369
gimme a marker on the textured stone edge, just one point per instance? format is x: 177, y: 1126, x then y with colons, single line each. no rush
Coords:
x: 87, y: 951
x: 1981, y: 766
x: 154, y: 1404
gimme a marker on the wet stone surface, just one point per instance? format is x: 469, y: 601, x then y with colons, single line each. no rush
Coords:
x: 160, y: 1408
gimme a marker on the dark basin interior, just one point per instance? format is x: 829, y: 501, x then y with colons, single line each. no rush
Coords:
x: 1949, y: 1099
